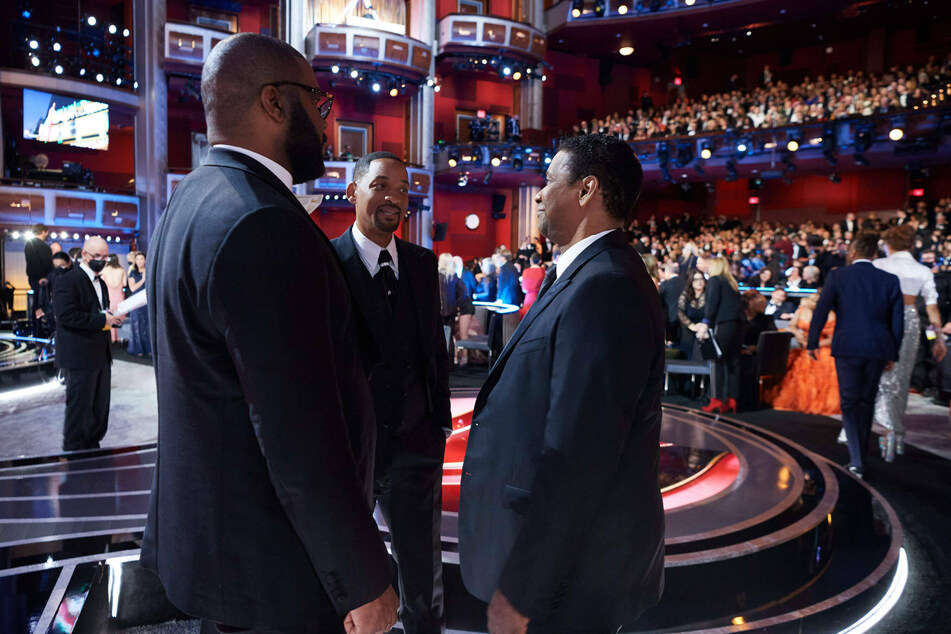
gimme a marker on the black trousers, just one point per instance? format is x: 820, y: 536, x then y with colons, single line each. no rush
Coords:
x: 31, y: 305
x: 726, y: 369
x: 858, y: 384
x: 327, y: 625
x: 549, y: 628
x: 87, y: 407
x: 408, y: 487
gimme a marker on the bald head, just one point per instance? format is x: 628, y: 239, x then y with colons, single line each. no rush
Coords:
x: 95, y: 253
x: 96, y: 245
x: 235, y: 72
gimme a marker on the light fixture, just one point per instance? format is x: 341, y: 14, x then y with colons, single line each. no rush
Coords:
x: 334, y: 69
x: 896, y: 134
x: 118, y: 81
x: 436, y: 88
x: 577, y: 7
x: 599, y: 8
x: 91, y: 20
x: 112, y: 29
x: 689, y: 3
x: 58, y: 69
x: 430, y: 82
x: 706, y: 149
x: 376, y: 86
x: 506, y: 71
x: 82, y: 72
x: 135, y: 85
x: 99, y: 77
x: 453, y: 159
x: 34, y: 60
x: 622, y: 9
x: 34, y: 44
x: 354, y: 73
x: 125, y: 33
x: 741, y: 146
x: 75, y: 236
x: 394, y: 91
x: 517, y: 75
x: 57, y: 47
x: 496, y: 160
x: 626, y: 50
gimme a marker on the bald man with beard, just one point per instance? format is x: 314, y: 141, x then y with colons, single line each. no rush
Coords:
x: 81, y: 300
x: 260, y: 517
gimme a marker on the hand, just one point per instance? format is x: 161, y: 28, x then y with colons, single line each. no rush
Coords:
x: 947, y: 328
x: 702, y: 331
x: 693, y: 327
x: 813, y: 354
x: 889, y: 366
x: 504, y: 618
x: 114, y: 320
x: 938, y: 349
x: 374, y: 617
x: 39, y: 313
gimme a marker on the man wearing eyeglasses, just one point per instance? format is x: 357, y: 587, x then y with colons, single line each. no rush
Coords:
x: 260, y: 517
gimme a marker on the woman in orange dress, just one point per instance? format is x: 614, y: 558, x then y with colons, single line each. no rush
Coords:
x: 810, y: 387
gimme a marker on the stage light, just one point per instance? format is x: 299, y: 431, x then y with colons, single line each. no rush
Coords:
x: 622, y: 9
x: 82, y: 72
x: 58, y: 69
x: 57, y: 47
x: 34, y: 60
x: 75, y: 236
x: 544, y: 77
x: 896, y: 134
x: 792, y: 145
x: 125, y: 33
x: 108, y: 238
x: 34, y: 44
x: 436, y: 88
x: 394, y: 91
x: 547, y: 158
x: 463, y: 179
x: 354, y: 74
x: 453, y: 159
x: 496, y: 160
x: 577, y: 7
x: 626, y: 50
x: 334, y: 69
x: 15, y: 235
x: 430, y: 82
x: 376, y: 86
x: 118, y: 81
x: 506, y: 71
x: 63, y: 235
x: 91, y: 20
x: 599, y: 8
x: 706, y: 149
x: 135, y: 85
x: 117, y: 239
x: 742, y: 147
x: 517, y: 75
x: 689, y: 3
x: 112, y: 29
x: 99, y: 77
x: 754, y: 200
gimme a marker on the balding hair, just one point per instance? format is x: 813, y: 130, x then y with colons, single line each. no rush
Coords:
x: 237, y: 69
x: 95, y: 241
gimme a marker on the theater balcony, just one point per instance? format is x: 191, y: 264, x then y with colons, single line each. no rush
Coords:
x: 512, y: 50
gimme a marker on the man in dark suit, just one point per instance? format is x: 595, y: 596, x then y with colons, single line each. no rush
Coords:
x: 39, y: 262
x: 779, y: 307
x: 850, y: 224
x: 868, y: 330
x: 260, y: 512
x: 561, y: 520
x: 80, y: 299
x: 396, y: 293
x: 509, y: 289
x: 670, y: 291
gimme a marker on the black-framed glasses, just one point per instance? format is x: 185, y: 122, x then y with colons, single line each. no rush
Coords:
x: 323, y: 100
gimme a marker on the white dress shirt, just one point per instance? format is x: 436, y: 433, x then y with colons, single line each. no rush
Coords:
x: 275, y: 168
x: 915, y: 278
x: 566, y: 258
x: 95, y: 281
x: 370, y: 252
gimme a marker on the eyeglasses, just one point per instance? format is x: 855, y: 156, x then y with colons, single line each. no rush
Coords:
x: 316, y: 94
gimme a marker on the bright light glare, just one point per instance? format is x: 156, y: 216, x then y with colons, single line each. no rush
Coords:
x: 888, y: 601
x: 896, y: 134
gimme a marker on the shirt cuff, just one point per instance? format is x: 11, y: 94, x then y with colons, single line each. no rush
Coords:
x: 705, y: 321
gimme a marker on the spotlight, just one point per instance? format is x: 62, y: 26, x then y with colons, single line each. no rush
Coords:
x: 125, y: 33
x: 742, y: 146
x: 354, y: 74
x: 82, y: 71
x: 34, y: 44
x: 463, y: 179
x: 108, y: 238
x: 91, y: 20
x: 34, y: 60
x: 99, y: 77
x: 436, y: 88
x: 689, y: 3
x: 135, y: 85
x: 26, y: 13
x: 118, y: 81
x: 430, y: 82
x: 453, y: 158
x: 334, y: 69
x: 506, y: 71
x: 394, y: 91
x: 376, y: 86
x: 626, y: 50
x: 896, y: 134
x: 15, y: 235
x: 496, y: 160
x: 577, y: 7
x: 58, y: 69
x: 112, y: 29
x: 548, y: 157
x: 517, y: 75
x: 622, y: 9
x: 57, y: 47
x: 792, y: 145
x: 706, y: 149
x: 75, y: 236
x: 599, y: 8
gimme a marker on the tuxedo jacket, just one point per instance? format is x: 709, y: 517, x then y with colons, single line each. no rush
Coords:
x: 419, y: 265
x: 723, y: 302
x: 869, y: 313
x: 81, y: 342
x: 670, y: 291
x: 560, y: 507
x: 261, y: 497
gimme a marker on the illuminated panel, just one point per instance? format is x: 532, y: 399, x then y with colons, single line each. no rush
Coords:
x: 186, y: 46
x: 464, y: 31
x: 332, y: 43
x: 421, y: 58
x: 397, y: 51
x: 419, y: 183
x: 493, y: 33
x: 74, y: 210
x: 366, y: 46
x: 334, y: 178
x: 116, y: 214
x: 520, y: 38
x: 538, y: 45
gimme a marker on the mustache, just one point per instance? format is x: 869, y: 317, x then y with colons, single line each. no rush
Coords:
x: 393, y: 208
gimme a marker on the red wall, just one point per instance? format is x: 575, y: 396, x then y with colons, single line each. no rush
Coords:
x: 453, y: 207
x: 333, y: 221
x: 387, y: 114
x: 498, y: 8
x: 253, y: 16
x: 467, y: 92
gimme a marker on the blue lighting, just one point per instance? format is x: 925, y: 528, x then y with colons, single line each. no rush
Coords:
x: 26, y: 14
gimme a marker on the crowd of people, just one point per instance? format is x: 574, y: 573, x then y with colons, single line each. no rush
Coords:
x: 774, y: 103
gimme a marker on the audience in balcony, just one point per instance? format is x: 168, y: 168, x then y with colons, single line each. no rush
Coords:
x: 775, y: 103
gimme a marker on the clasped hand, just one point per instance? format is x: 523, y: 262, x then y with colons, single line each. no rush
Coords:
x: 375, y: 617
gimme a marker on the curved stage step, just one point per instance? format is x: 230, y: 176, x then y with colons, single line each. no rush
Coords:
x: 761, y: 534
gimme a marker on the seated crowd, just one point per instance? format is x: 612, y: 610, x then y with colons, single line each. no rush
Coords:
x: 774, y: 103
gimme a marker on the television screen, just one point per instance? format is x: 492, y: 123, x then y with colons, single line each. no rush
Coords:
x: 67, y: 120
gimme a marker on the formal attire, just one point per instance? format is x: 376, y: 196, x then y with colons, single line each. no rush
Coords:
x: 776, y: 311
x: 725, y: 315
x: 80, y: 298
x: 39, y: 262
x: 140, y: 340
x: 810, y: 386
x: 670, y: 291
x: 560, y: 508
x: 401, y: 337
x: 508, y: 287
x: 868, y: 332
x: 915, y: 280
x: 690, y: 312
x: 260, y: 512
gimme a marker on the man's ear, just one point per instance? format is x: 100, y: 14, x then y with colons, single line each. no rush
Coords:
x: 589, y: 188
x: 273, y: 103
x: 351, y: 193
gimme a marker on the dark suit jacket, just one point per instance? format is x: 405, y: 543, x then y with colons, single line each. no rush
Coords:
x: 260, y: 502
x: 869, y: 313
x: 670, y: 292
x: 722, y: 303
x: 81, y: 342
x: 420, y: 265
x: 39, y: 259
x: 560, y: 507
x: 509, y: 291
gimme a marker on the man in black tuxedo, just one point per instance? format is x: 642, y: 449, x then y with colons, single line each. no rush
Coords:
x: 850, y: 224
x: 396, y: 293
x: 561, y: 524
x: 670, y: 291
x: 260, y: 514
x: 39, y: 262
x: 80, y: 299
x: 779, y: 307
x: 869, y: 322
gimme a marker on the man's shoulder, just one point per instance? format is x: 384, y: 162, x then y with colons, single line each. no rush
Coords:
x: 415, y: 250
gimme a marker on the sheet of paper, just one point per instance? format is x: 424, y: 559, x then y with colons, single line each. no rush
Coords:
x: 136, y: 301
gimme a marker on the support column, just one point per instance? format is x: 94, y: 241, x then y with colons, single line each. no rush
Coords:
x: 530, y: 106
x: 419, y: 139
x: 298, y: 21
x: 151, y: 118
x: 526, y: 220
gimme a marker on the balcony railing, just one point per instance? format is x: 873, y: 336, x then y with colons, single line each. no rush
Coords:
x: 466, y: 34
x: 346, y: 45
x: 68, y: 209
x: 189, y: 43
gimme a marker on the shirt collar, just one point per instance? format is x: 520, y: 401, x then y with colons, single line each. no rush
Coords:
x: 275, y: 168
x: 89, y: 272
x: 370, y: 252
x: 856, y: 261
x: 569, y: 256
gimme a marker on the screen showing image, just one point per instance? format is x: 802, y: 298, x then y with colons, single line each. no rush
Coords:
x: 67, y: 120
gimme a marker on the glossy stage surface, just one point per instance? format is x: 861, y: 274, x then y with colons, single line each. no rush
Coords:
x: 760, y: 532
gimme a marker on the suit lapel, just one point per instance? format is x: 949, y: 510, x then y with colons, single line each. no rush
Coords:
x: 410, y: 264
x: 362, y: 287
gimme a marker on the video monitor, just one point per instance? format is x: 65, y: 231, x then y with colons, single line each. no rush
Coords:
x: 66, y: 120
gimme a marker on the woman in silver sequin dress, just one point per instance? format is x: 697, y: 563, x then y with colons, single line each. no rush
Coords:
x: 916, y: 281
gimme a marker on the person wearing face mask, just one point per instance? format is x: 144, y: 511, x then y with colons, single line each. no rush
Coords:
x: 396, y: 288
x: 260, y: 517
x: 81, y: 300
x: 44, y: 301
